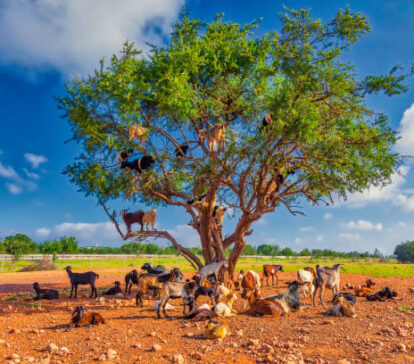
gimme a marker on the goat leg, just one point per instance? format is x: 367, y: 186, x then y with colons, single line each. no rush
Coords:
x: 76, y: 291
x: 71, y: 291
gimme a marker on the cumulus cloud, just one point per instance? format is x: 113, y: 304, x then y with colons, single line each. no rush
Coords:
x: 8, y: 172
x: 88, y: 232
x: 35, y: 160
x: 364, y: 225
x: 306, y: 229
x: 319, y: 238
x: 71, y: 36
x: 42, y: 233
x: 405, y: 144
x: 349, y: 236
x: 16, y: 184
x: 30, y: 175
x: 185, y: 235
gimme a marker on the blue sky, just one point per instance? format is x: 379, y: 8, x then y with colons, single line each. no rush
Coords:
x: 43, y: 44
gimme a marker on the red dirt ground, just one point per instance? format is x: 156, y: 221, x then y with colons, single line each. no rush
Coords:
x: 381, y: 332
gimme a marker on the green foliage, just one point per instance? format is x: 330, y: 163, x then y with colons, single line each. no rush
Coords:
x: 19, y: 244
x: 405, y: 252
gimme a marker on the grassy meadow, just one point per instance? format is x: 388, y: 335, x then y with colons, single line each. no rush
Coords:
x: 368, y: 266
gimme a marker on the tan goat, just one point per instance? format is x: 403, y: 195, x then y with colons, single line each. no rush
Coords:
x: 149, y: 218
x: 216, y: 135
x: 139, y: 132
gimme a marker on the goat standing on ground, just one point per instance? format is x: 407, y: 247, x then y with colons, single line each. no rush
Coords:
x: 307, y: 279
x: 45, y: 294
x: 82, y: 278
x: 130, y: 278
x: 326, y: 278
x: 271, y: 270
x: 80, y: 317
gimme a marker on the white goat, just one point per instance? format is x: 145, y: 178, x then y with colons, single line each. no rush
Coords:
x: 222, y: 310
x: 307, y: 278
x: 213, y: 269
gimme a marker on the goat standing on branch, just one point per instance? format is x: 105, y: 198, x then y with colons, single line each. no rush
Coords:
x: 209, y: 95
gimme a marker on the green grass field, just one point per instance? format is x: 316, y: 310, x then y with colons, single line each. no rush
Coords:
x: 369, y: 266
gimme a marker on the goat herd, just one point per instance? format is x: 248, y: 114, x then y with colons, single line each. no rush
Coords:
x: 209, y: 282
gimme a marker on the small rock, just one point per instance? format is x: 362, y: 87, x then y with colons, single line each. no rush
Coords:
x: 177, y: 359
x: 253, y: 342
x: 15, y: 331
x: 378, y: 343
x: 29, y: 359
x: 153, y: 334
x: 327, y: 322
x: 5, y: 343
x: 45, y: 360
x: 64, y: 350
x: 189, y: 334
x: 401, y: 347
x: 267, y: 349
x: 101, y: 299
x: 239, y: 332
x: 137, y: 346
x: 344, y: 361
x: 51, y: 348
x: 156, y: 348
x: 102, y: 357
x: 111, y: 354
x: 15, y: 356
x: 234, y: 345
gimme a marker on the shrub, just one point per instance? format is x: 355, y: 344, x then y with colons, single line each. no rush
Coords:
x: 44, y: 264
x: 405, y: 252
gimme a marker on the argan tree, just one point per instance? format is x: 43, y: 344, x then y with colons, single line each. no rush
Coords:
x: 322, y: 141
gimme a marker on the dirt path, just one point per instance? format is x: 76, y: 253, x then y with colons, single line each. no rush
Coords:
x: 381, y: 332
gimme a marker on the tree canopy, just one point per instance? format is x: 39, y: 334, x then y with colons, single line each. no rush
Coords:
x: 322, y: 140
x: 405, y: 252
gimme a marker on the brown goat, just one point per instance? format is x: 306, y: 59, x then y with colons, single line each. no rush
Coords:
x: 341, y: 307
x: 216, y: 135
x: 132, y: 218
x: 149, y: 218
x: 80, y: 317
x: 261, y: 307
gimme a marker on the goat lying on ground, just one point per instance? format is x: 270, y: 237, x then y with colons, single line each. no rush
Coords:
x: 271, y: 270
x: 130, y: 278
x: 159, y: 269
x: 82, y: 278
x: 152, y: 281
x: 307, y: 279
x: 171, y: 289
x: 113, y: 290
x: 149, y: 218
x: 326, y: 278
x: 213, y: 269
x: 261, y: 307
x: 348, y: 286
x: 124, y: 155
x: 383, y: 295
x: 132, y: 218
x: 216, y: 135
x: 341, y: 307
x: 348, y: 296
x: 80, y: 317
x: 140, y: 164
x: 362, y: 291
x: 45, y: 294
x: 199, y: 314
x: 289, y: 298
x: 216, y: 330
x: 182, y: 150
x: 139, y: 132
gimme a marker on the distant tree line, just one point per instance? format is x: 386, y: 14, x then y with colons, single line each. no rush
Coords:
x: 20, y: 244
x: 405, y: 252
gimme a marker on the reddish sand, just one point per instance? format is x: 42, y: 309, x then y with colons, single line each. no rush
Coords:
x: 381, y: 332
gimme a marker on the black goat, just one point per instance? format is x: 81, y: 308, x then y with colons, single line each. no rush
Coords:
x: 140, y: 164
x: 182, y: 150
x: 159, y: 269
x: 382, y: 295
x: 113, y: 290
x: 190, y: 202
x: 348, y: 296
x: 203, y: 291
x: 82, y: 278
x: 45, y: 294
x: 124, y: 155
x: 130, y: 278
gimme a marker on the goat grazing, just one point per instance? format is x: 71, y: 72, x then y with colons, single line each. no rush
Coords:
x: 216, y: 135
x: 171, y: 289
x: 45, y: 294
x: 216, y: 330
x: 289, y: 298
x: 140, y: 164
x: 139, y: 132
x: 213, y: 269
x: 80, y: 317
x: 152, y: 281
x: 326, y: 278
x: 82, y: 278
x: 113, y: 290
x: 132, y: 218
x: 307, y: 280
x: 130, y: 278
x: 159, y: 269
x: 182, y: 150
x: 124, y: 155
x: 261, y: 307
x: 271, y: 270
x: 149, y: 218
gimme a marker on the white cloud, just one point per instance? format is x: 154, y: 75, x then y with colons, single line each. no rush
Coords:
x: 306, y: 229
x: 8, y: 172
x: 31, y: 175
x: 328, y: 216
x: 42, y: 232
x: 405, y: 145
x: 363, y: 225
x: 13, y: 188
x: 299, y: 241
x: 35, y: 160
x: 319, y: 238
x: 401, y: 224
x: 71, y: 36
x: 185, y: 235
x: 88, y: 232
x: 349, y: 236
